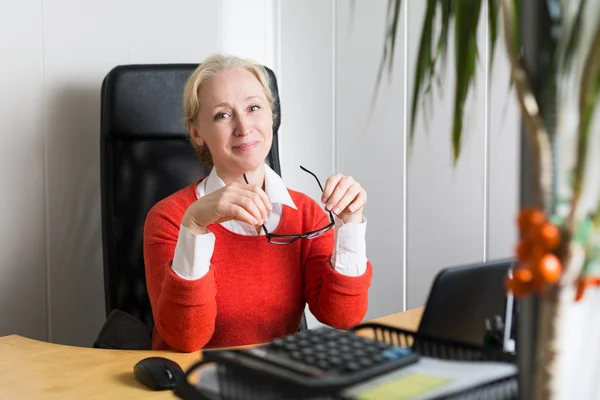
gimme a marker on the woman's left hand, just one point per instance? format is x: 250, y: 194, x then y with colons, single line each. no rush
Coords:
x: 345, y: 197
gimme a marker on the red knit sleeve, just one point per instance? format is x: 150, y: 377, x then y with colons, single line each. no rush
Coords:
x: 184, y: 310
x: 334, y: 299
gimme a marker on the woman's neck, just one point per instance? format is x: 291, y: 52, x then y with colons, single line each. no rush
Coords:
x: 255, y: 177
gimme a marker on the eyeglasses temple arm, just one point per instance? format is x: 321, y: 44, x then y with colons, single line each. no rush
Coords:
x: 314, y: 176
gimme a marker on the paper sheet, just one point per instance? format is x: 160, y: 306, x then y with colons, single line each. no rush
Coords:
x: 405, y: 388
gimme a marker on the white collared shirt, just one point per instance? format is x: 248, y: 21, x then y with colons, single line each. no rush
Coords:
x: 193, y: 251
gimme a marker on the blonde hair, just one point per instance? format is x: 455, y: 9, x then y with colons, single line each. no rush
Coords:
x: 206, y: 70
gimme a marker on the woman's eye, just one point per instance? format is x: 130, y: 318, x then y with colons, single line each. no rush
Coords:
x: 254, y: 108
x: 221, y: 116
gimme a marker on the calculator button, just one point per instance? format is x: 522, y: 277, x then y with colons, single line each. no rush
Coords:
x: 308, y: 351
x: 333, y: 335
x: 320, y: 348
x: 335, y: 361
x: 345, y: 349
x: 360, y: 353
x: 352, y: 366
x: 378, y: 358
x: 310, y: 360
x: 290, y: 346
x: 366, y: 362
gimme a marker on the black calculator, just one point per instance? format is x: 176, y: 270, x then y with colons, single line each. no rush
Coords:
x: 322, y: 358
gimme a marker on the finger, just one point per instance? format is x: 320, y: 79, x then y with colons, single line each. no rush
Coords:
x: 351, y: 194
x: 241, y: 214
x: 259, y: 201
x: 330, y: 185
x: 359, y: 202
x: 339, y: 192
x: 263, y: 196
x: 235, y: 198
x: 249, y: 204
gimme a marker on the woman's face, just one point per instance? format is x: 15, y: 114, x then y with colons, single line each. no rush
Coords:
x: 235, y: 121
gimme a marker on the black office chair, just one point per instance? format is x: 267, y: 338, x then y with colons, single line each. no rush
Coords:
x: 145, y: 156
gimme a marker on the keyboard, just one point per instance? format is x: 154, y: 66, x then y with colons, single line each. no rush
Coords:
x: 322, y: 358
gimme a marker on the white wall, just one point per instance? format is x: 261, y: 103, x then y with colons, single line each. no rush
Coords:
x: 369, y: 141
x: 22, y: 173
x: 57, y: 53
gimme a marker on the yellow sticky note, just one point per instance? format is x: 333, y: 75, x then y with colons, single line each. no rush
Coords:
x: 404, y: 388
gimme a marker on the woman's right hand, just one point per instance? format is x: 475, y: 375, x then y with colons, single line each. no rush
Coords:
x: 241, y: 202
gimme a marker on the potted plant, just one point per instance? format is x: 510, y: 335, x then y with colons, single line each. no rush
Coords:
x: 556, y: 80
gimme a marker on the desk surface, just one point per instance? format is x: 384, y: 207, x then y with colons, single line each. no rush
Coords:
x: 34, y: 369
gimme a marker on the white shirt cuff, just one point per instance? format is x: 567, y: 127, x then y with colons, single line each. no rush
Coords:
x: 193, y: 252
x: 349, y: 256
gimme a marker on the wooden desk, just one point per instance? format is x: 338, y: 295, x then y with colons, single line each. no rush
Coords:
x: 30, y: 369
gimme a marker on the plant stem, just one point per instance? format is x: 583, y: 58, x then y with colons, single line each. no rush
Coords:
x: 530, y: 110
x: 544, y: 355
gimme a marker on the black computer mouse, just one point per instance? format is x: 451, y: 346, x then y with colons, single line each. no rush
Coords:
x: 158, y: 373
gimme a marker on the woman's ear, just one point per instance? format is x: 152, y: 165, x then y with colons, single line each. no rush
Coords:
x: 195, y: 134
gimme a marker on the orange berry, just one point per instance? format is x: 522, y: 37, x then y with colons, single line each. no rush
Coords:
x: 522, y: 250
x: 523, y: 275
x: 530, y: 219
x: 528, y: 250
x: 549, y: 236
x: 549, y: 268
x: 521, y: 282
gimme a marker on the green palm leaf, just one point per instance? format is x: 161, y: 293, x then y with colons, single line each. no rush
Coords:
x: 463, y: 15
x: 389, y: 41
x: 465, y: 35
x: 425, y: 65
x: 442, y: 42
x: 493, y: 6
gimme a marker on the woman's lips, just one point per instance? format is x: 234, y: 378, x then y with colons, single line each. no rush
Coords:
x: 246, y: 146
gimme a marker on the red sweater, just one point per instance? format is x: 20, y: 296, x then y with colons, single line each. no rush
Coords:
x: 254, y: 291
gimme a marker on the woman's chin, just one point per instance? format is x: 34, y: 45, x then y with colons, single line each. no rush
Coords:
x: 248, y: 164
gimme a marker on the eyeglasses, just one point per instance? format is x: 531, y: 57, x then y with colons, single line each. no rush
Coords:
x: 275, y: 238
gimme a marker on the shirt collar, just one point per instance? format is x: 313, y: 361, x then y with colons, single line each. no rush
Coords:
x: 274, y: 187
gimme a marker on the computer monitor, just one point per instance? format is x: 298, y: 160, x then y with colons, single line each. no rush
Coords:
x: 463, y: 297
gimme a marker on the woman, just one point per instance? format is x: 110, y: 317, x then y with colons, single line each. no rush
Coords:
x: 216, y: 272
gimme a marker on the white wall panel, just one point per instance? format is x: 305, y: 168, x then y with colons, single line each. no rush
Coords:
x: 504, y: 159
x: 83, y: 41
x: 445, y: 213
x: 22, y: 214
x: 174, y: 31
x: 370, y: 140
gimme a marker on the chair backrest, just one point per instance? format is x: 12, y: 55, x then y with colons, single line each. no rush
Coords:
x: 145, y: 156
x: 462, y: 298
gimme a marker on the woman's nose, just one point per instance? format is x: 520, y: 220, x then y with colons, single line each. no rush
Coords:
x: 243, y: 126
